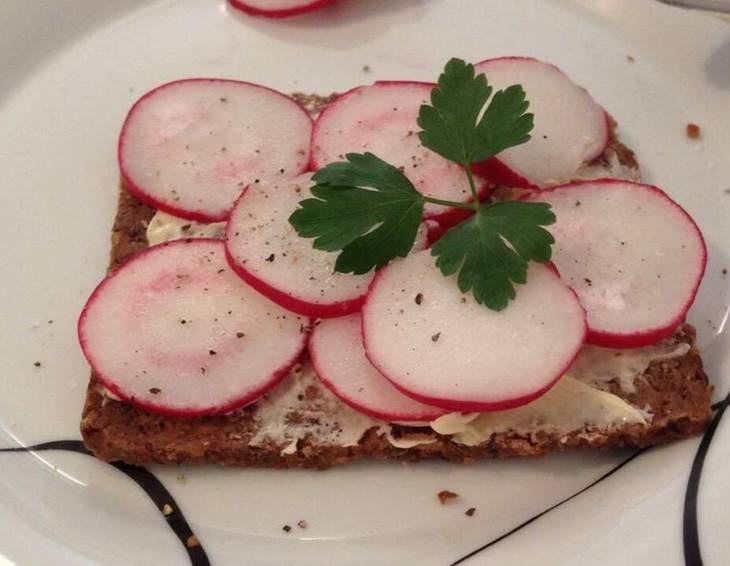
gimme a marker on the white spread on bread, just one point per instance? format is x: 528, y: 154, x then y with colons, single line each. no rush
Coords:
x: 302, y: 407
x: 164, y: 227
x: 578, y: 400
x: 569, y: 406
x: 598, y: 366
x: 407, y: 440
x: 608, y: 166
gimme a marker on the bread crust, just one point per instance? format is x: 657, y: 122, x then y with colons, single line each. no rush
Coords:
x: 675, y: 390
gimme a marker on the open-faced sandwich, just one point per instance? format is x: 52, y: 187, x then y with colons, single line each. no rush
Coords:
x: 423, y: 271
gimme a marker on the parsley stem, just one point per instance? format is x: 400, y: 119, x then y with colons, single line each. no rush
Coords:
x: 470, y: 176
x: 450, y: 203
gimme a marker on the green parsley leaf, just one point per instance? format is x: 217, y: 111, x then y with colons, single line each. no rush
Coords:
x: 490, y: 251
x: 363, y: 206
x: 454, y: 126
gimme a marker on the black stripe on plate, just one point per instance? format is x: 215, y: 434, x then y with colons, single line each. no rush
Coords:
x: 152, y: 486
x: 546, y: 511
x: 690, y: 530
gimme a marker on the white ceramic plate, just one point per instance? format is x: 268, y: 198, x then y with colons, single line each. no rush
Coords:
x: 69, y: 71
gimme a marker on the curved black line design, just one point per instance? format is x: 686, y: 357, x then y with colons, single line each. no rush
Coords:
x: 152, y: 486
x: 690, y: 530
x: 546, y: 511
x: 156, y: 491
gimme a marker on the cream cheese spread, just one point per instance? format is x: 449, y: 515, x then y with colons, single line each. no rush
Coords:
x: 608, y: 166
x: 164, y: 227
x: 598, y: 366
x: 569, y: 406
x: 302, y: 406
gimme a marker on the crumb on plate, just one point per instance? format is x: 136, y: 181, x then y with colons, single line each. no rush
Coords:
x: 693, y: 131
x: 445, y: 495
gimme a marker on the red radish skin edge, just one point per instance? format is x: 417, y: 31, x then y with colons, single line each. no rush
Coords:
x: 305, y: 308
x: 475, y: 406
x: 388, y: 417
x: 499, y: 173
x: 434, y: 233
x: 279, y: 374
x: 312, y: 310
x: 448, y: 218
x: 139, y: 192
x: 652, y: 335
x: 250, y: 10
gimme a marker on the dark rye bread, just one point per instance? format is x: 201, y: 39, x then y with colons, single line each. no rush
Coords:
x: 675, y: 390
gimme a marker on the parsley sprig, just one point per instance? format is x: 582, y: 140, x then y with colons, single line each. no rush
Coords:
x: 369, y: 211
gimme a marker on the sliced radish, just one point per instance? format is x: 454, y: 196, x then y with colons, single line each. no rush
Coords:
x: 278, y: 8
x: 190, y: 147
x: 571, y: 129
x: 442, y: 348
x: 381, y: 119
x: 174, y: 331
x: 632, y: 254
x: 266, y: 252
x: 339, y: 359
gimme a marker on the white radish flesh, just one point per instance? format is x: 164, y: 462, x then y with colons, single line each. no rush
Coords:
x: 337, y: 353
x: 442, y: 348
x: 571, y: 129
x: 176, y: 332
x: 265, y: 250
x: 278, y: 8
x: 381, y: 119
x: 190, y: 147
x: 632, y: 254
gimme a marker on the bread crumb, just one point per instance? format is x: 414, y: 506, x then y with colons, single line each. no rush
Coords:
x: 366, y: 68
x: 167, y: 509
x: 630, y: 58
x: 693, y: 131
x: 470, y: 512
x: 37, y: 364
x: 302, y: 524
x: 445, y: 495
x: 286, y: 528
x: 192, y: 541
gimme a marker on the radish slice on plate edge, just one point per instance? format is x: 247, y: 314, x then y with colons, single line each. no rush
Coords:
x: 284, y: 9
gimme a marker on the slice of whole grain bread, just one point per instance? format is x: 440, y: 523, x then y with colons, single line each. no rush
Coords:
x: 676, y: 391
